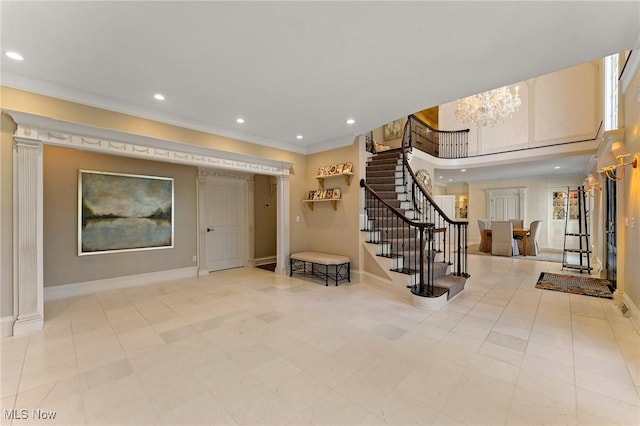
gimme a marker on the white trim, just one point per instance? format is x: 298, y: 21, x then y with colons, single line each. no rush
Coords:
x: 89, y: 287
x: 429, y: 303
x: 283, y: 224
x: 6, y: 326
x: 50, y: 131
x: 634, y: 312
x: 264, y: 260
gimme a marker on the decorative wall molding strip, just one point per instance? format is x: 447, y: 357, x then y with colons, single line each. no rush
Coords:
x: 89, y: 287
x: 50, y: 131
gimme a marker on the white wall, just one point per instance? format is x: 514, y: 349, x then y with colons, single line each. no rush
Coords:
x: 565, y: 106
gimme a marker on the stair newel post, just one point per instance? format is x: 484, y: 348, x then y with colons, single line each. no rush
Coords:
x: 430, y: 258
x: 421, y: 268
x: 459, y: 260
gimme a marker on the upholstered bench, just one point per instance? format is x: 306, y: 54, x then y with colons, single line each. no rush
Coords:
x: 319, y: 266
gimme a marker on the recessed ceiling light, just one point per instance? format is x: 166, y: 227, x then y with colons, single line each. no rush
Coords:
x: 299, y: 137
x: 158, y: 97
x: 440, y: 177
x: 240, y: 120
x: 556, y: 167
x: 350, y: 121
x: 463, y: 170
x: 14, y: 55
x: 450, y: 180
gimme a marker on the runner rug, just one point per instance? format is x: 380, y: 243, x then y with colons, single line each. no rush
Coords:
x: 588, y: 286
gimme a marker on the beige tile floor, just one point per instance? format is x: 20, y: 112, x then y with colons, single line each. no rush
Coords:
x: 246, y: 346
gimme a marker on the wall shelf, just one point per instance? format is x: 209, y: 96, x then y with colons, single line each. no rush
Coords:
x: 310, y: 203
x: 347, y: 178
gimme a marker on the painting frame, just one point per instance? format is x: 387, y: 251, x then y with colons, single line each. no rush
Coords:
x: 123, y: 212
x: 392, y: 130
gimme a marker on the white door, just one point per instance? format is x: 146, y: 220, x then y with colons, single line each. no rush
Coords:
x: 505, y: 204
x: 223, y: 220
x: 506, y: 207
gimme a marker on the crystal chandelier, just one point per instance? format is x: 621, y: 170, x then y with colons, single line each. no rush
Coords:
x: 489, y: 107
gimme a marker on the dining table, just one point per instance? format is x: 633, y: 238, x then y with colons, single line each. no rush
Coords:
x: 522, y: 233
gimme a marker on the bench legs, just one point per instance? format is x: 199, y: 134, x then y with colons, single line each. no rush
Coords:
x: 342, y: 271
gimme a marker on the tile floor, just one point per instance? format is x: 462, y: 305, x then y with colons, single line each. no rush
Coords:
x: 246, y: 346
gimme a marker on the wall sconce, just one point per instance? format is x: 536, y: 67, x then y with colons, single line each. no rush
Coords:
x: 593, y: 184
x: 609, y: 162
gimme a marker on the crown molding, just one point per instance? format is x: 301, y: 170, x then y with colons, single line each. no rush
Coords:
x: 51, y: 131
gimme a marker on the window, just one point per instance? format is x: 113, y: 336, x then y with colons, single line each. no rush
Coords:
x: 611, y: 92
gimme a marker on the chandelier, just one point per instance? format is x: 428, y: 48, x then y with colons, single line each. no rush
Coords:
x: 489, y: 107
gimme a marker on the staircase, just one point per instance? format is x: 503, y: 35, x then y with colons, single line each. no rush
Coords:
x: 397, y: 231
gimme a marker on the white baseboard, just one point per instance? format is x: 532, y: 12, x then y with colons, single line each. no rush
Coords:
x: 6, y: 326
x: 88, y: 287
x: 265, y: 260
x: 634, y: 312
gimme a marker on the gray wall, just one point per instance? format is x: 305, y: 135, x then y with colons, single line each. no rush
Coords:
x: 62, y: 265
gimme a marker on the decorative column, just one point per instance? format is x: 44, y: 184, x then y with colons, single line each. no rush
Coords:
x: 28, y: 304
x: 201, y: 180
x: 251, y: 226
x: 282, y: 237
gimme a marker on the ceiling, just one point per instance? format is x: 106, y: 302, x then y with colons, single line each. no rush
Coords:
x: 513, y: 170
x: 297, y: 68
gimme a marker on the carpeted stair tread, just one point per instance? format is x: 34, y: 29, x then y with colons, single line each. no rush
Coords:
x: 383, y: 186
x: 454, y: 283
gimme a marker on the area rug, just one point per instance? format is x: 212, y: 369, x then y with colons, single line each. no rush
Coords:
x: 587, y: 286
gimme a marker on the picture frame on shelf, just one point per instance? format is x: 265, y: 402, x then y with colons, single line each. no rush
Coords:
x: 336, y: 193
x: 329, y: 194
x: 348, y: 167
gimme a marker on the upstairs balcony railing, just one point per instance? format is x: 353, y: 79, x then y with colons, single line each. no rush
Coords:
x: 439, y: 143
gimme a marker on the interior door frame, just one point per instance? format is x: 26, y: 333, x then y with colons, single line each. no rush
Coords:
x: 520, y: 192
x: 247, y: 187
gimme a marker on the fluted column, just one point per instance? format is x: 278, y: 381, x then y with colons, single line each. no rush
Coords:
x: 251, y: 227
x: 282, y: 238
x: 28, y: 281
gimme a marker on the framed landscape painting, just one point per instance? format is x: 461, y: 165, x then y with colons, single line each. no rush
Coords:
x: 123, y: 212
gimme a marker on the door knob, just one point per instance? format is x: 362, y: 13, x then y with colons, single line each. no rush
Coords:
x: 209, y: 229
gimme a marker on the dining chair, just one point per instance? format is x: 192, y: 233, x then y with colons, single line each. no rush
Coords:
x: 482, y: 225
x: 517, y: 223
x: 532, y: 240
x: 502, y: 241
